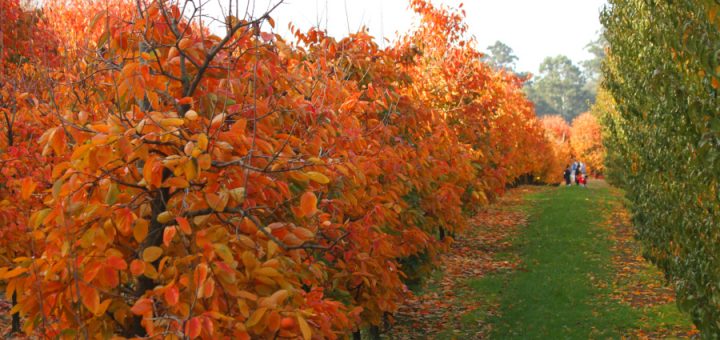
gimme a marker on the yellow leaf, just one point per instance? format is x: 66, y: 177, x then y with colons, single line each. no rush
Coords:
x: 267, y: 271
x: 272, y: 249
x: 165, y: 217
x: 256, y: 317
x: 171, y: 122
x: 191, y: 169
x: 112, y: 194
x: 304, y: 327
x: 238, y: 194
x: 151, y: 254
x: 315, y: 161
x: 224, y: 252
x: 317, y: 177
x: 202, y: 141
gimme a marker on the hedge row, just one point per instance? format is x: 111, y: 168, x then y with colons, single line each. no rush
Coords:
x: 664, y: 139
x: 242, y: 185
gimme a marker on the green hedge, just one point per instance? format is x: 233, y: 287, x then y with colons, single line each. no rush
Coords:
x: 662, y: 72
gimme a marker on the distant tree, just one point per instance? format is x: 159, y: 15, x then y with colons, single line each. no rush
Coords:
x: 559, y: 88
x: 501, y: 56
x: 592, y: 68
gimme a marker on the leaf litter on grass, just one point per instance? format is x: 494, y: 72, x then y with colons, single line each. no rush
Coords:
x: 642, y: 286
x: 442, y: 306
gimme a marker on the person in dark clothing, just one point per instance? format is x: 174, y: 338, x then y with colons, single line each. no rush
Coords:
x: 566, y: 175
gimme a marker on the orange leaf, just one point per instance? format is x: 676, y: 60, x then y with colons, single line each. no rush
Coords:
x: 176, y: 182
x: 116, y: 263
x: 172, y: 295
x: 287, y: 323
x: 13, y: 273
x: 57, y: 141
x: 168, y: 235
x: 140, y: 230
x: 137, y: 267
x: 216, y: 202
x: 142, y: 306
x: 28, y: 186
x: 90, y: 297
x: 185, y: 101
x: 273, y: 321
x: 308, y: 204
x: 152, y: 172
x: 184, y: 225
x: 200, y: 274
x: 102, y: 307
x: 192, y: 328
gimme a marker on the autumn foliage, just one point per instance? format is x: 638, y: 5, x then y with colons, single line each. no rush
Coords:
x: 177, y: 181
x: 586, y: 141
x: 558, y: 134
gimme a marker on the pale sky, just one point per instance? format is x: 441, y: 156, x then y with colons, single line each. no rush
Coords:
x: 534, y: 29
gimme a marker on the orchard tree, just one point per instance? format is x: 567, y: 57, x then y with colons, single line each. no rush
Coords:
x: 558, y: 132
x: 586, y: 142
x: 189, y: 184
x: 662, y: 73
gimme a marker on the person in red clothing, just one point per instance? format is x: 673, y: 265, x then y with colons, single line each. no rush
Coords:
x: 582, y: 180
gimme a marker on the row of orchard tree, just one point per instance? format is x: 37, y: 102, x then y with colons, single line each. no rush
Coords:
x: 579, y: 141
x: 662, y: 117
x: 162, y: 179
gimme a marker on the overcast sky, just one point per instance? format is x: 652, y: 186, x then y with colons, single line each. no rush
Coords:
x: 533, y: 29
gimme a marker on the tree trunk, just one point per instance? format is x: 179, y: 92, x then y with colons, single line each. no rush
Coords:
x: 15, y: 317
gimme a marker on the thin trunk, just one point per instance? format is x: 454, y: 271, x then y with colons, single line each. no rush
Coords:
x: 15, y: 317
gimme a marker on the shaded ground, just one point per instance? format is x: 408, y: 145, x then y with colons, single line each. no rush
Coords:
x: 446, y: 305
x: 573, y: 272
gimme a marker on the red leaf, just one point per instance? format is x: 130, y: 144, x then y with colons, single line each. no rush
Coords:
x: 192, y: 328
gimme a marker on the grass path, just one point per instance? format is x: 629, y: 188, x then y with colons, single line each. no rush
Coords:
x: 574, y: 273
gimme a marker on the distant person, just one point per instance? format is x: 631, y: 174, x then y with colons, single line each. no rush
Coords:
x: 578, y: 175
x: 583, y: 169
x: 573, y: 170
x: 566, y: 175
x: 583, y: 180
